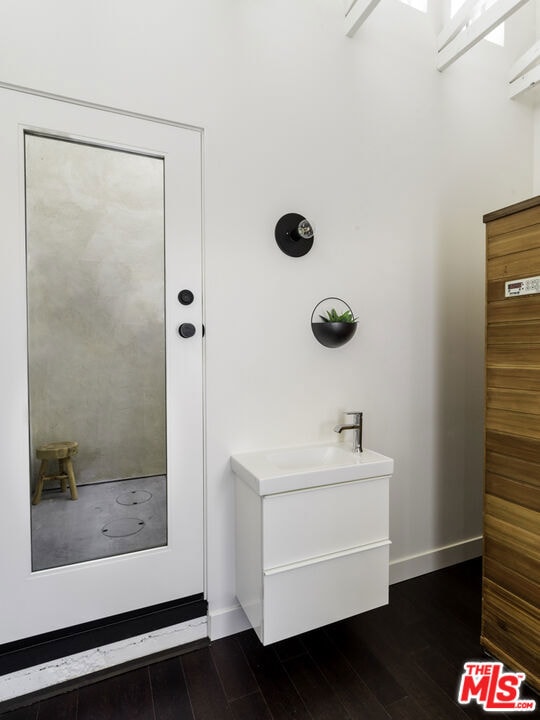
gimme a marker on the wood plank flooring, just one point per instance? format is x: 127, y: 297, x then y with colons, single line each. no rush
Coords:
x: 400, y: 662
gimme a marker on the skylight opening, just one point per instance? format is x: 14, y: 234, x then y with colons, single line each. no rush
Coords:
x: 417, y: 4
x: 497, y: 35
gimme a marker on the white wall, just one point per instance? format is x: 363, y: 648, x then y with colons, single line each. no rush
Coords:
x: 392, y: 162
x: 532, y: 96
x: 536, y: 151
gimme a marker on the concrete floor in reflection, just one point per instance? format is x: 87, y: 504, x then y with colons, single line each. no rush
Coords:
x: 66, y: 531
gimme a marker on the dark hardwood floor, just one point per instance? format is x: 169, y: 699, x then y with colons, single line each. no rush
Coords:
x: 399, y: 662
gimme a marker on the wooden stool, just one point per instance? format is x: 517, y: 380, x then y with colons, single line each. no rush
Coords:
x: 61, y: 451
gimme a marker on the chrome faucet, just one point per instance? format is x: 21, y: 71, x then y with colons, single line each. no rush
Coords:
x: 356, y: 425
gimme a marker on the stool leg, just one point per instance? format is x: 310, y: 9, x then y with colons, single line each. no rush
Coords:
x: 71, y: 477
x: 62, y: 473
x: 39, y: 487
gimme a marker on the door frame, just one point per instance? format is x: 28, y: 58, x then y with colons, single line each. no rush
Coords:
x: 48, y: 601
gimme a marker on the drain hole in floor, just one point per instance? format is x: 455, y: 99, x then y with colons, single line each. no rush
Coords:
x: 122, y: 527
x: 134, y: 497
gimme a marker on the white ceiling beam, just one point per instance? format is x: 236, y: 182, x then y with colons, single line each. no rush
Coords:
x: 456, y: 24
x: 525, y: 62
x: 482, y: 26
x: 358, y: 13
x: 525, y: 82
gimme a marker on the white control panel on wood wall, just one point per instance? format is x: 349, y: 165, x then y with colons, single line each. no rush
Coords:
x: 527, y: 286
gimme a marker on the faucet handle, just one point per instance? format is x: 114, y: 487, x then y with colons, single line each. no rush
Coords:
x: 354, y: 412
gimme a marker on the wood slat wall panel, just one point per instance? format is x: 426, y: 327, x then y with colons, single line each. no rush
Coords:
x: 518, y: 240
x: 513, y: 355
x: 513, y: 209
x: 495, y: 291
x: 513, y: 514
x: 516, y: 423
x: 526, y: 333
x: 520, y: 448
x: 510, y: 661
x: 512, y: 468
x: 524, y: 587
x: 523, y: 617
x: 501, y: 309
x: 514, y: 266
x: 511, y: 223
x: 528, y: 496
x: 520, y: 401
x: 511, y: 586
x: 520, y: 540
x: 515, y: 378
x: 513, y: 629
x: 523, y: 563
x: 511, y: 641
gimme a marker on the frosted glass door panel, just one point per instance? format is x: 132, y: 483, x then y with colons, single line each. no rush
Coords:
x: 96, y: 347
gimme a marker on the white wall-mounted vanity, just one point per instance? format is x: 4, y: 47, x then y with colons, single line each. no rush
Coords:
x: 312, y: 536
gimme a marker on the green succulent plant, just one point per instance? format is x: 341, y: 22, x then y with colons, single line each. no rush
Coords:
x: 334, y: 316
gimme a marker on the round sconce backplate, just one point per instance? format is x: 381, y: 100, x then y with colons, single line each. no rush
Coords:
x: 294, y: 235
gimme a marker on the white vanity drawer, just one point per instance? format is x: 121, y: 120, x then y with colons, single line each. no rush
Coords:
x: 320, y: 521
x: 305, y: 597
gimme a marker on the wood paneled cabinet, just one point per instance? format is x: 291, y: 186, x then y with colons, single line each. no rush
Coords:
x: 511, y: 575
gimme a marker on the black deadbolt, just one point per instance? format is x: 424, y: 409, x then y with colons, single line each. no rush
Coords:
x: 186, y: 330
x: 185, y: 297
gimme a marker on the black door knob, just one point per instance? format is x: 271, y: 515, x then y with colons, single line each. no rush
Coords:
x: 185, y: 297
x: 186, y: 330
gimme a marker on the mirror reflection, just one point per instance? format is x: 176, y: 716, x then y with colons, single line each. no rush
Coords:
x: 96, y: 350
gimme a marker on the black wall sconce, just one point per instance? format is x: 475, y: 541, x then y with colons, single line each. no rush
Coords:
x: 294, y: 234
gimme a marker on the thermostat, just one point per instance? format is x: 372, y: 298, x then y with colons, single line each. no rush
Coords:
x: 527, y: 286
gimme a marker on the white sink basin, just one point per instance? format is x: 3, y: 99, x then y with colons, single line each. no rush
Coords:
x: 311, y: 456
x: 297, y: 468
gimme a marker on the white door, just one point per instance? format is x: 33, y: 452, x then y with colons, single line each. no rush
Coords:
x: 35, y: 601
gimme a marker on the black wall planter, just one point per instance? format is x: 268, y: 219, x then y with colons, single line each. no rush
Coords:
x: 332, y: 334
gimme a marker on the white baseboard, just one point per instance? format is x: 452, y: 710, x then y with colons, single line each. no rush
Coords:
x: 229, y: 621
x: 426, y: 562
x: 58, y: 671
